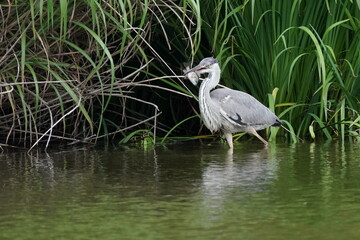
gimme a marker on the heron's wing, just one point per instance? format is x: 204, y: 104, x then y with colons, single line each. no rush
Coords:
x: 243, y: 109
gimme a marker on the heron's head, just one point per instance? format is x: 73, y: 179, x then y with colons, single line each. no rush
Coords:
x: 207, y: 65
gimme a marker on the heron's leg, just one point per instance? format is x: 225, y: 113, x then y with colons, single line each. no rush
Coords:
x: 253, y: 132
x: 229, y: 139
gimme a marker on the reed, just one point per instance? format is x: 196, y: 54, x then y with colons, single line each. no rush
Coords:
x: 72, y: 70
x: 89, y: 70
x: 307, y: 50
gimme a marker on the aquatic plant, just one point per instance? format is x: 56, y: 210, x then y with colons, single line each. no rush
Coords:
x: 89, y: 70
x: 74, y: 70
x: 306, y: 50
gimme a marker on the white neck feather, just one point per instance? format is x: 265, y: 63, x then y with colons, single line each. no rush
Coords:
x: 208, y: 107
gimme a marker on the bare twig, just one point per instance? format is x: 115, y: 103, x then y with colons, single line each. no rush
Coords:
x: 50, y: 129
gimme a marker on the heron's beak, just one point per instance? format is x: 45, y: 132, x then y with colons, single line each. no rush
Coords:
x: 194, y: 69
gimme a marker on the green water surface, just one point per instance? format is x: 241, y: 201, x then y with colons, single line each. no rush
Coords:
x: 183, y: 191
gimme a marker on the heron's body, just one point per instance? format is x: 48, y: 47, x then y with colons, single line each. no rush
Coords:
x: 230, y: 111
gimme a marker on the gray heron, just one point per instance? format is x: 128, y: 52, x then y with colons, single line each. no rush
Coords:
x: 226, y: 110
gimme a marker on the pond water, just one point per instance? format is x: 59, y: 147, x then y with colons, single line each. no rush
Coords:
x: 183, y: 191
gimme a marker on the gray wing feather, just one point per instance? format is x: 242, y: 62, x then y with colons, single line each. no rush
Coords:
x: 243, y: 108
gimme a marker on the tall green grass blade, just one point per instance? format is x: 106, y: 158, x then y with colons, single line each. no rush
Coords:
x: 95, y: 67
x: 332, y: 26
x: 291, y: 129
x: 173, y: 128
x: 112, y: 67
x: 63, y: 18
x: 24, y: 110
x: 50, y: 13
x: 74, y: 96
x: 272, y: 99
x: 342, y: 118
x: 62, y: 109
x: 23, y: 53
x: 37, y: 91
x: 321, y: 66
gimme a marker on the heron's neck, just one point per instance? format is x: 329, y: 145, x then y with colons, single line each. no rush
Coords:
x: 210, y: 82
x: 208, y: 107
